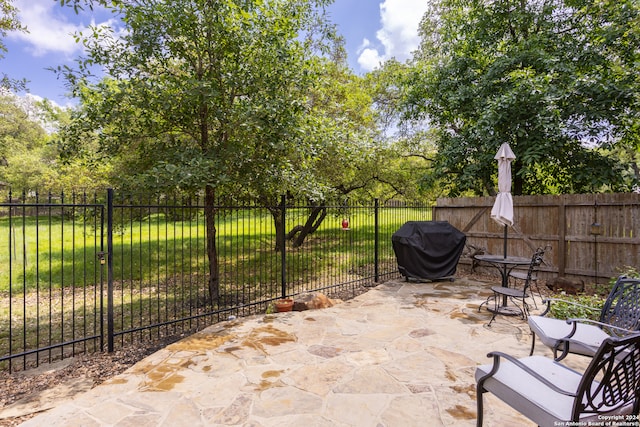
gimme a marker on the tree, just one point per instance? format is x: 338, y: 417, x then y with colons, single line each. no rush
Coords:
x: 83, y: 170
x: 215, y: 90
x: 25, y: 158
x: 339, y: 136
x: 355, y: 156
x: 410, y: 147
x: 558, y: 80
x: 9, y: 22
x: 29, y: 155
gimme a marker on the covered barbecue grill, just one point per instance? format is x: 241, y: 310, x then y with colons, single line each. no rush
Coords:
x: 428, y: 249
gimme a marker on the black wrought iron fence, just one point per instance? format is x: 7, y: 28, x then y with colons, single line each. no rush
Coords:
x: 80, y: 274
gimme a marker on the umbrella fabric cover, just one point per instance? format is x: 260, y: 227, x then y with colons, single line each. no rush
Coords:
x: 428, y: 249
x: 502, y: 211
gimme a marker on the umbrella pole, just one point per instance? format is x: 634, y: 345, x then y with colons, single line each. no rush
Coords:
x: 505, y: 241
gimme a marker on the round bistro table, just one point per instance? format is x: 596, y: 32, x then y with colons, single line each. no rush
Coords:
x: 504, y: 265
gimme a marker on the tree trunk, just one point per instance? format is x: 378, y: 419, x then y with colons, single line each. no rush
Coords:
x: 212, y: 252
x: 279, y: 226
x: 313, y: 222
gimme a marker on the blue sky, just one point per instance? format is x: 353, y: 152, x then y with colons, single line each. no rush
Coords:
x: 374, y: 31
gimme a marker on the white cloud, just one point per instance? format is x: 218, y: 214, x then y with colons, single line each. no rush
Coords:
x: 398, y: 35
x: 368, y: 56
x: 48, y: 31
x: 49, y: 28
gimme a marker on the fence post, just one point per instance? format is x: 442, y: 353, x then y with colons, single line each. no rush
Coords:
x: 376, y: 245
x: 283, y: 245
x: 103, y: 261
x: 562, y: 235
x: 12, y: 256
x: 110, y: 320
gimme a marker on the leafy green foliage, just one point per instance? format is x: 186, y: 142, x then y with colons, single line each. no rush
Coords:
x: 577, y: 307
x: 199, y: 94
x: 586, y: 306
x: 29, y: 155
x: 25, y: 157
x: 9, y: 22
x: 544, y: 77
x: 628, y: 271
x: 409, y: 144
x: 202, y: 95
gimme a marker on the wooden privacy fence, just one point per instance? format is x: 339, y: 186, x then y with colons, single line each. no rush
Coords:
x: 593, y: 237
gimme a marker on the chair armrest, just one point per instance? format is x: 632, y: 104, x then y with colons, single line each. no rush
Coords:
x: 566, y: 301
x: 574, y: 323
x: 548, y: 302
x: 568, y: 339
x: 496, y: 366
x: 601, y: 324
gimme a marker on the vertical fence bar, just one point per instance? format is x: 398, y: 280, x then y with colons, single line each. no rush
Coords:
x: 283, y: 246
x: 246, y: 275
x: 37, y: 276
x: 50, y: 274
x: 10, y: 302
x: 102, y: 261
x: 141, y: 275
x: 62, y: 269
x: 24, y: 278
x: 376, y: 241
x: 130, y: 312
x: 84, y: 270
x: 73, y: 273
x: 97, y: 271
x: 198, y: 263
x: 110, y: 320
x: 168, y: 270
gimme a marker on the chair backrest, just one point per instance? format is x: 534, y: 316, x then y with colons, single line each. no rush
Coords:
x: 536, y: 261
x: 611, y: 382
x: 622, y: 307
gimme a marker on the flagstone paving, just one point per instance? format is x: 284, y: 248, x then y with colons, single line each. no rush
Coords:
x: 402, y: 354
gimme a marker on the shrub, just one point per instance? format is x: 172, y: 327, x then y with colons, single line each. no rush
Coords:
x: 568, y: 309
x: 576, y: 307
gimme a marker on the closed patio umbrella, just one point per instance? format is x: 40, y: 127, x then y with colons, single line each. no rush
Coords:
x: 502, y: 211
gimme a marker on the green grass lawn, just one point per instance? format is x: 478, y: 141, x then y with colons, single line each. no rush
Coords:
x: 56, y: 252
x: 53, y: 285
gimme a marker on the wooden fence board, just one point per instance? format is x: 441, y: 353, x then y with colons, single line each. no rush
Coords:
x: 565, y: 223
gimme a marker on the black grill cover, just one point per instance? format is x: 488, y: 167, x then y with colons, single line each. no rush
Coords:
x: 428, y: 249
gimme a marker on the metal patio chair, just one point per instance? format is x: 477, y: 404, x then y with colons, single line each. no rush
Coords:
x: 518, y: 296
x: 549, y: 393
x: 619, y: 316
x: 531, y: 274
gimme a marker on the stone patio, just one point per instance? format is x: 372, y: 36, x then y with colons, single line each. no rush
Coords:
x: 402, y: 354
